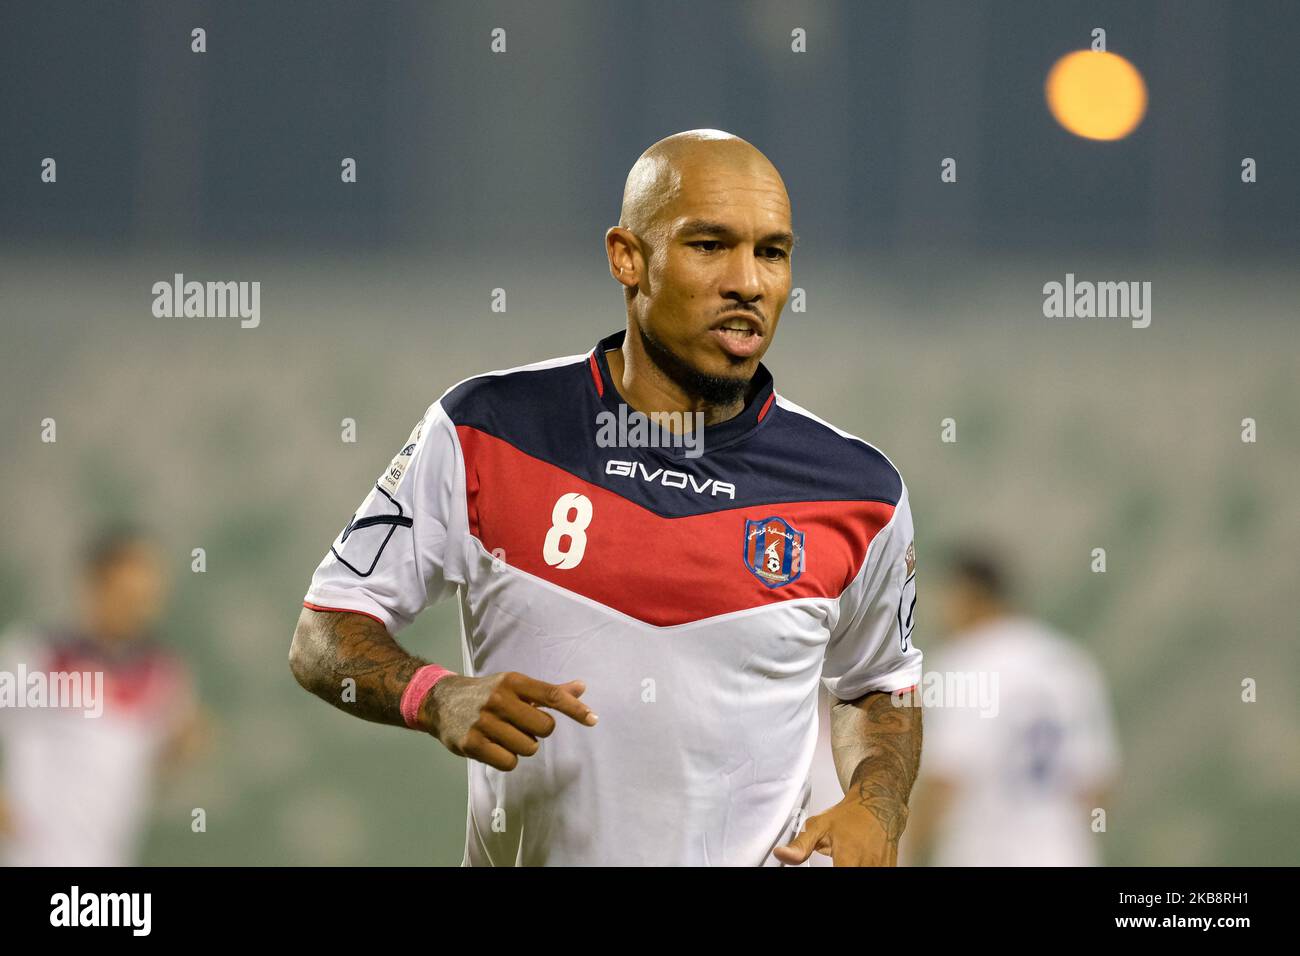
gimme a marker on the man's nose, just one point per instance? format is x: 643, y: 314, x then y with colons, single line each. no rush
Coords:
x: 742, y: 280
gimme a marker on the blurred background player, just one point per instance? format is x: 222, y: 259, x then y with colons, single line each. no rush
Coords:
x: 76, y: 789
x: 1017, y: 788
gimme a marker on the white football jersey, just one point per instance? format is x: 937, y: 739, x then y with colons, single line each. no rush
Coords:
x: 1023, y: 773
x: 701, y: 599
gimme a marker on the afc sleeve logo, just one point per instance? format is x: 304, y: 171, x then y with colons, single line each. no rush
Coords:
x: 391, y: 479
x: 907, y: 599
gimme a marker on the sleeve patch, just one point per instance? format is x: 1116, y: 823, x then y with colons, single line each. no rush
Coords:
x: 392, y: 477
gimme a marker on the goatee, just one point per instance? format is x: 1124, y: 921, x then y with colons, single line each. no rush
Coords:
x: 712, y: 389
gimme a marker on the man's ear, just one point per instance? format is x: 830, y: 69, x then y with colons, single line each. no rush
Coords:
x: 624, y: 252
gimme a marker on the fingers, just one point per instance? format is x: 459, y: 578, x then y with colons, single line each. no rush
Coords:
x: 561, y: 697
x: 480, y: 748
x: 815, y: 836
x: 507, y: 735
x: 513, y: 710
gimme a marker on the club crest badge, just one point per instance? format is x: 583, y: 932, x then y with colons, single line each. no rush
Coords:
x: 773, y: 551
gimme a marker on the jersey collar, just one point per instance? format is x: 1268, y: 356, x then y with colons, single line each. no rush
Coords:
x: 756, y: 410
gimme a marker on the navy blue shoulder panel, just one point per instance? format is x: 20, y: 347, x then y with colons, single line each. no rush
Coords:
x: 540, y: 411
x: 553, y: 414
x: 844, y: 468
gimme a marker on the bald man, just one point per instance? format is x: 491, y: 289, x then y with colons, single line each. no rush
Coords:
x: 648, y: 531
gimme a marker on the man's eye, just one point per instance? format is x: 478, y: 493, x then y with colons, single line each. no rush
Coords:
x: 780, y: 253
x: 712, y: 243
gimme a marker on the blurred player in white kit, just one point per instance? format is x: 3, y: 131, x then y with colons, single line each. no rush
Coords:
x: 1017, y: 785
x: 76, y: 780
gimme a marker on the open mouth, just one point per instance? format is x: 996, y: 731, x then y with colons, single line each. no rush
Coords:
x: 740, y: 322
x: 738, y: 336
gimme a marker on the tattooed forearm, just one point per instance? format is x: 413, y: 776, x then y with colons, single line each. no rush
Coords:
x: 877, y: 749
x: 352, y: 662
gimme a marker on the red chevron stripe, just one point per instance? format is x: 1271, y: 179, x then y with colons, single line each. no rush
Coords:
x: 663, y: 571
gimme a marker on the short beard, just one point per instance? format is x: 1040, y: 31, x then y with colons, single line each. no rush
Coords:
x: 711, y: 389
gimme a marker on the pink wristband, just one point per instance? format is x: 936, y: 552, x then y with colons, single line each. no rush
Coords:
x: 421, y: 683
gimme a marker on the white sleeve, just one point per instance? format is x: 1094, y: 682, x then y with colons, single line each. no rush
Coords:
x: 870, y: 647
x: 400, y: 551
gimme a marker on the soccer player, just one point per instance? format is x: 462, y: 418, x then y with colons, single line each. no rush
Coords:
x: 1015, y: 784
x: 78, y: 774
x: 690, y: 584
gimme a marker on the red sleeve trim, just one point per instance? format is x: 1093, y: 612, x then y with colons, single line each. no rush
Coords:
x: 342, y: 610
